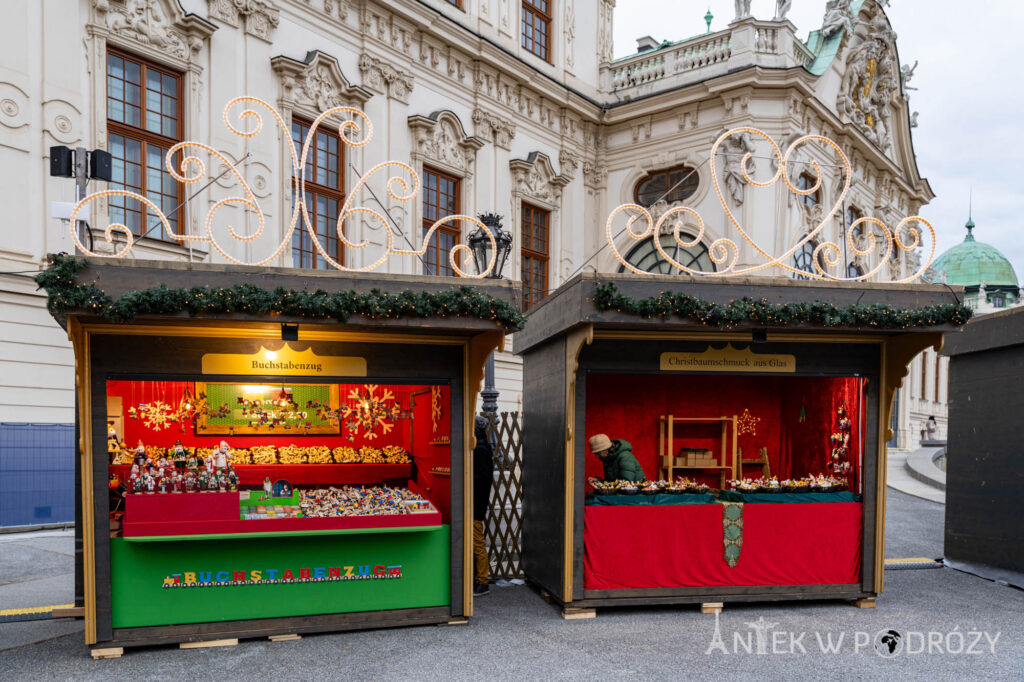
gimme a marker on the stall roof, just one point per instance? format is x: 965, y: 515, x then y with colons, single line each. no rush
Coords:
x: 117, y: 278
x: 574, y: 303
x: 988, y: 332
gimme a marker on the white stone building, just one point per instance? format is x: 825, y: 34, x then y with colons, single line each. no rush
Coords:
x: 507, y: 106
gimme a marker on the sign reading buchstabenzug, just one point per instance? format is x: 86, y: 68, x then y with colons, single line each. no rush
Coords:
x: 276, y: 576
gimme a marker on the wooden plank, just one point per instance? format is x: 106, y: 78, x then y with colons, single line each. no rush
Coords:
x: 711, y: 607
x: 574, y: 613
x: 108, y: 652
x: 456, y: 621
x: 264, y: 627
x: 208, y: 643
x: 864, y: 603
x: 672, y: 601
x: 285, y: 638
x: 71, y: 612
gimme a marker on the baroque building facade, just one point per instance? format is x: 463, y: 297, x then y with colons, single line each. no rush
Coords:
x: 514, y: 107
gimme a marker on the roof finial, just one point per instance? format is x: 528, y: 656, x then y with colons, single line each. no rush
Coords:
x: 707, y: 19
x: 970, y: 221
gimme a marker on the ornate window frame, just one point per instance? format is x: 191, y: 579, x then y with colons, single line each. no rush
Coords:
x: 535, y: 181
x: 307, y: 88
x: 440, y: 141
x: 159, y: 31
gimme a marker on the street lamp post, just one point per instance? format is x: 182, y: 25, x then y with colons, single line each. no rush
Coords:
x: 480, y: 244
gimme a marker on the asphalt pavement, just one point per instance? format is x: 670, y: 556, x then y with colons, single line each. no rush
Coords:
x: 948, y: 625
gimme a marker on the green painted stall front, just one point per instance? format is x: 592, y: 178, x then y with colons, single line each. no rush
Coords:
x: 153, y: 582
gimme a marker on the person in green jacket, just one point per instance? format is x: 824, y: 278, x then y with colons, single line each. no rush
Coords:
x: 620, y: 464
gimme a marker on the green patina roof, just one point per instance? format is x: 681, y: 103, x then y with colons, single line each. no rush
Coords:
x: 971, y: 262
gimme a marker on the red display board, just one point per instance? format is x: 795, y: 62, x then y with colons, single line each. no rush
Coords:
x: 682, y: 546
x: 162, y: 514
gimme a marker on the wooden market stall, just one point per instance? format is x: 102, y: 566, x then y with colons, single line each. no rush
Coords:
x: 324, y: 424
x: 785, y: 383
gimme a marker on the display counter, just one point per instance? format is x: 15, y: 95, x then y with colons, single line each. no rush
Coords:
x: 769, y: 398
x: 238, y: 484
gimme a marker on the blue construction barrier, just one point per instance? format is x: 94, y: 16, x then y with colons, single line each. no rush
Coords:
x: 37, y: 474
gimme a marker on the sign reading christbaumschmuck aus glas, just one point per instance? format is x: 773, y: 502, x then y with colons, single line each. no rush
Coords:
x: 727, y: 359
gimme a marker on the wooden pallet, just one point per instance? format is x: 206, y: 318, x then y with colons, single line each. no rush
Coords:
x: 209, y: 643
x: 574, y: 613
x: 711, y: 607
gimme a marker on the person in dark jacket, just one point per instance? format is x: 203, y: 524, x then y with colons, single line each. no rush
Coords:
x: 483, y: 477
x: 617, y: 457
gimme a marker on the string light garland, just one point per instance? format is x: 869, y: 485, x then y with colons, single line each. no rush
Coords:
x: 724, y: 252
x: 355, y: 130
x: 64, y: 293
x: 748, y: 311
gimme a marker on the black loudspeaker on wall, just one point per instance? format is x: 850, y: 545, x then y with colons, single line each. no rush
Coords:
x: 99, y: 165
x: 62, y: 163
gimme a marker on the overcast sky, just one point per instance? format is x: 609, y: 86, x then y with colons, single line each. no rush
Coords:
x: 969, y: 97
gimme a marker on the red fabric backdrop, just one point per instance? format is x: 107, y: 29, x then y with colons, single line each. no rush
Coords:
x: 681, y: 546
x: 415, y: 435
x: 628, y: 406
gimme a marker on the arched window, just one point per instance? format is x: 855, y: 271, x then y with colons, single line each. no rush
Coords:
x: 852, y: 216
x: 803, y: 260
x: 652, y: 186
x: 804, y: 182
x: 646, y: 257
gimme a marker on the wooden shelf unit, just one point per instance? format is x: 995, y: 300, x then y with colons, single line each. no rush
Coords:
x: 666, y: 448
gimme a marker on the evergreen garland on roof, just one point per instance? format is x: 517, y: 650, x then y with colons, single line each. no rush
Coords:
x: 64, y: 293
x: 748, y: 311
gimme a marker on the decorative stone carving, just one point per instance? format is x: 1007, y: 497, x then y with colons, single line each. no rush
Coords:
x: 735, y: 146
x: 384, y: 78
x: 906, y: 73
x: 870, y: 83
x: 440, y: 138
x: 595, y: 176
x: 317, y: 84
x: 535, y: 178
x: 742, y: 9
x: 159, y: 24
x: 261, y: 17
x: 569, y: 30
x: 913, y: 119
x: 492, y: 127
x: 838, y: 16
x: 782, y: 9
x: 605, y: 12
x: 569, y: 161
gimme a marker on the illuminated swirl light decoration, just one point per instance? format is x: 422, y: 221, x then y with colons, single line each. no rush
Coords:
x: 354, y: 130
x: 724, y: 252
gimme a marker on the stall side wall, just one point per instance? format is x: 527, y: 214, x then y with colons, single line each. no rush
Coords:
x: 984, y: 479
x: 544, y: 443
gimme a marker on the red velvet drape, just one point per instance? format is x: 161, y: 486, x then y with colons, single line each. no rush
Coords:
x: 628, y: 406
x: 681, y: 546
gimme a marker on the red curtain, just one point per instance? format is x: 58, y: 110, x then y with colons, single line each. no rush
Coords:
x: 628, y: 406
x: 681, y: 546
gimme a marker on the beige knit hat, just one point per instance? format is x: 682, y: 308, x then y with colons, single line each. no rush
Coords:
x: 600, y: 443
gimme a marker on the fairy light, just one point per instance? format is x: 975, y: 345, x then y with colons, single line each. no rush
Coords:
x: 724, y: 252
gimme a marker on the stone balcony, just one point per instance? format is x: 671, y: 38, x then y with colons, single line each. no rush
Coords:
x: 751, y: 42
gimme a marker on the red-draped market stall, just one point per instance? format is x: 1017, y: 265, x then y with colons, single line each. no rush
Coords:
x: 742, y: 457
